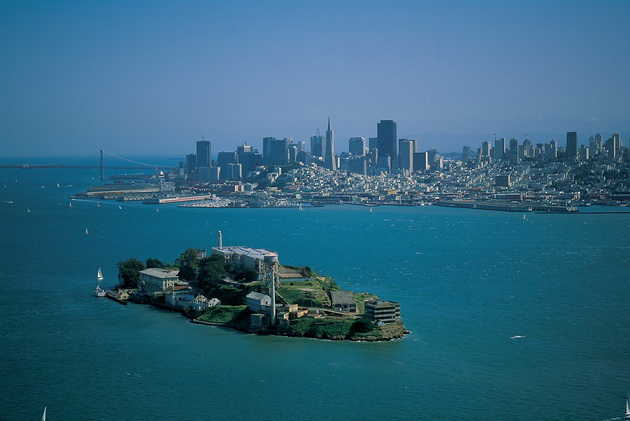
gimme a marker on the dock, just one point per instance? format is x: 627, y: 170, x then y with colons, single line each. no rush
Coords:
x: 114, y: 296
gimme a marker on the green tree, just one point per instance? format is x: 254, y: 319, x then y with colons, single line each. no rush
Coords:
x: 156, y: 263
x: 211, y: 272
x: 129, y: 272
x: 188, y: 263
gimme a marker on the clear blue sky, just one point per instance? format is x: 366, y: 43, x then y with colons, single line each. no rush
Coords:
x: 154, y: 76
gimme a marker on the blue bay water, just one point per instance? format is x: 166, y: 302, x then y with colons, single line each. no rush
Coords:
x: 468, y: 281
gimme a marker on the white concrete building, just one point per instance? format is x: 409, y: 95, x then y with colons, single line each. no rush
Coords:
x: 156, y: 280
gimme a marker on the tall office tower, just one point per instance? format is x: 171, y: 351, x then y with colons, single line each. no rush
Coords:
x: 387, y: 138
x: 275, y: 151
x: 203, y: 154
x: 514, y: 159
x: 406, y: 154
x: 433, y: 156
x: 465, y: 154
x: 224, y: 159
x: 421, y: 160
x: 372, y: 143
x: 191, y: 166
x: 330, y: 160
x: 231, y: 171
x: 385, y: 162
x: 499, y: 149
x: 358, y: 165
x: 553, y: 149
x: 242, y: 154
x: 292, y: 150
x: 584, y: 153
x: 599, y: 141
x: 356, y: 146
x: 317, y: 143
x: 528, y: 150
x: 612, y: 145
x: 572, y: 143
x: 485, y: 150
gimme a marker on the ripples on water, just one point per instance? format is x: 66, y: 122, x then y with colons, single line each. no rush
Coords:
x: 468, y: 281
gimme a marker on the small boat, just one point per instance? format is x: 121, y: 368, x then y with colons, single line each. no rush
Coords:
x: 70, y: 204
x: 627, y: 417
x: 28, y: 209
x: 99, y: 292
x: 370, y: 209
x: 119, y: 207
x: 86, y: 231
x: 44, y: 416
x: 98, y: 205
x: 300, y: 207
x: 524, y: 217
x: 99, y: 275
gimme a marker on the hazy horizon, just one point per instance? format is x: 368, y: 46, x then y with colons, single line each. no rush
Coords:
x: 145, y: 77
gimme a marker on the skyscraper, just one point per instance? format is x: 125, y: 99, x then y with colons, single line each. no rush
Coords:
x: 514, y: 158
x: 387, y: 138
x: 275, y: 151
x: 356, y: 146
x: 571, y: 145
x: 203, y: 153
x: 330, y: 161
x: 316, y: 145
x: 406, y: 154
x: 499, y: 149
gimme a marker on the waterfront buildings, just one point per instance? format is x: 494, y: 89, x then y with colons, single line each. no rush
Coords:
x: 155, y: 280
x: 386, y: 312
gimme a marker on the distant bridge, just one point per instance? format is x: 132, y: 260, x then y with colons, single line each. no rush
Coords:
x: 65, y: 164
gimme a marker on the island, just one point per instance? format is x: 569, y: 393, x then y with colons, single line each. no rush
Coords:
x: 249, y: 290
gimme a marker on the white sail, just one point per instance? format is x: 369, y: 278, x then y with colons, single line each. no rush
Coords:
x: 628, y: 408
x: 44, y: 416
x: 99, y: 275
x: 86, y: 231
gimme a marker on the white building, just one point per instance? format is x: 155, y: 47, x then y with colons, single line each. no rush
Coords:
x: 248, y: 258
x: 180, y: 296
x: 201, y: 303
x: 156, y: 280
x: 257, y: 302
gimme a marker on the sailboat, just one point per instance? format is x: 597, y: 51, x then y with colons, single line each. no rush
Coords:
x: 44, y: 416
x: 28, y: 209
x: 86, y: 231
x: 300, y: 207
x: 627, y: 417
x: 70, y: 204
x: 524, y: 217
x: 98, y: 291
x: 119, y: 207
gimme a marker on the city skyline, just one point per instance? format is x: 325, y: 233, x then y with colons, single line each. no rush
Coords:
x: 139, y: 77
